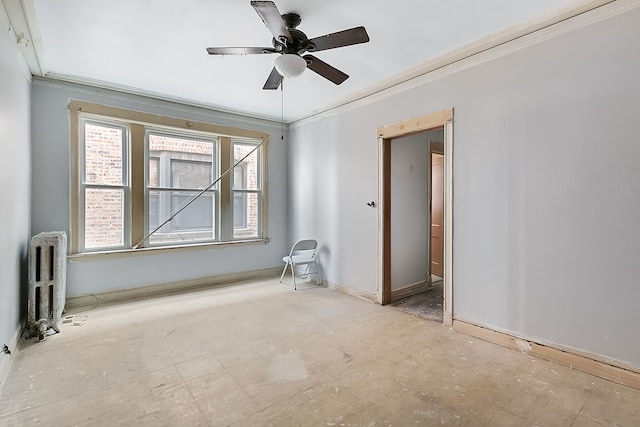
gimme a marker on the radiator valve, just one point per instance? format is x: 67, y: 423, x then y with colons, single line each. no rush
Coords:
x: 43, y: 325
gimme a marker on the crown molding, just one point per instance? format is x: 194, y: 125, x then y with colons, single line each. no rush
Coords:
x: 5, y: 23
x: 131, y: 94
x: 530, y: 32
x: 24, y: 30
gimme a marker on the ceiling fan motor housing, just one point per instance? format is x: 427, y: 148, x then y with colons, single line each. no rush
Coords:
x: 291, y: 20
x: 300, y: 42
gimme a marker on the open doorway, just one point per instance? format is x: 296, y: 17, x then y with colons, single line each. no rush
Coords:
x: 417, y: 224
x: 440, y: 151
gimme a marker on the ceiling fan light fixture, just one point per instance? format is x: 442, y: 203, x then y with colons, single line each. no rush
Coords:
x: 290, y: 65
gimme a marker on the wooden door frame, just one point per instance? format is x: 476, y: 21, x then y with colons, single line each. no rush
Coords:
x: 386, y: 135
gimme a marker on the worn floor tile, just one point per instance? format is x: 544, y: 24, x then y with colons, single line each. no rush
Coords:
x: 221, y: 399
x: 260, y: 354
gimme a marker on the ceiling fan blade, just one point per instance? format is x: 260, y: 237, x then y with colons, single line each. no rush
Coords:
x: 239, y: 50
x: 341, y: 38
x: 273, y: 81
x: 325, y: 70
x: 273, y: 20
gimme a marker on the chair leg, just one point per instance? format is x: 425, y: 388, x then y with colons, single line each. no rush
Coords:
x: 306, y: 272
x: 284, y: 270
x: 304, y: 275
x: 293, y: 274
x: 317, y: 275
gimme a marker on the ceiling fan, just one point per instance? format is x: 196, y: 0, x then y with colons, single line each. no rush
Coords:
x: 291, y: 43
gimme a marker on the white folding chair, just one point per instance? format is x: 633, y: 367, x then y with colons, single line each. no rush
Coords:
x: 303, y: 252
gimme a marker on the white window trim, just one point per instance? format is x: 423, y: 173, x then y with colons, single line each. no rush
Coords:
x: 124, y: 186
x: 215, y: 191
x: 260, y: 185
x: 138, y: 123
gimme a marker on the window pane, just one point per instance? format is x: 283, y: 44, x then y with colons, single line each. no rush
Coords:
x: 245, y: 215
x: 239, y: 210
x: 245, y: 175
x: 154, y: 210
x: 102, y: 155
x: 103, y: 218
x: 195, y: 223
x: 190, y: 174
x: 180, y: 162
x: 154, y: 170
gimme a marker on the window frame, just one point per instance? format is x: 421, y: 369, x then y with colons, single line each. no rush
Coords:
x: 247, y: 191
x: 214, y: 191
x: 136, y: 210
x: 124, y: 185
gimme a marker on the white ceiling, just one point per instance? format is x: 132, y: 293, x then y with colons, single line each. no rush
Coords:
x: 158, y: 47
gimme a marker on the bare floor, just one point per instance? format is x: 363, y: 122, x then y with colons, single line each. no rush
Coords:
x: 260, y: 354
x: 427, y: 304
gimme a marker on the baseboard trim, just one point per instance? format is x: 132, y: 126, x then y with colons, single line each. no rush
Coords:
x: 416, y: 288
x: 352, y: 292
x: 593, y: 364
x: 171, y: 287
x: 6, y: 360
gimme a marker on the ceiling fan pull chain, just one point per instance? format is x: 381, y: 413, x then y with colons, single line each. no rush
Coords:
x: 282, y: 107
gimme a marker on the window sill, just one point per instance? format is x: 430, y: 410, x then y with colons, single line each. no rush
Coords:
x: 121, y: 253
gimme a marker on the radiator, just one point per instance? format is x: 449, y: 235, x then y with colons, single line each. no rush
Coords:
x: 47, y: 282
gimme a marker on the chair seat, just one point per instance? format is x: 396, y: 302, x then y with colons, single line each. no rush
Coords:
x: 299, y: 259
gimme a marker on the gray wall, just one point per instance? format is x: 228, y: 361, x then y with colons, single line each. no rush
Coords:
x: 15, y: 172
x: 546, y: 200
x: 50, y: 205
